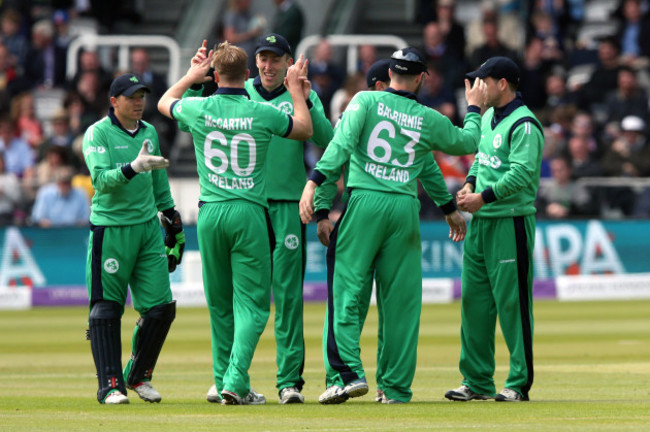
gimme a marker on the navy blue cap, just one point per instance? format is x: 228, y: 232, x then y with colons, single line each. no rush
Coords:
x: 408, y: 61
x: 497, y: 68
x: 273, y: 42
x: 126, y: 85
x: 378, y: 72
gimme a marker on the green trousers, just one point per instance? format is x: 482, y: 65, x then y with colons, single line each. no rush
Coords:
x: 234, y: 242
x: 497, y: 280
x: 288, y: 275
x: 377, y: 232
x: 128, y: 256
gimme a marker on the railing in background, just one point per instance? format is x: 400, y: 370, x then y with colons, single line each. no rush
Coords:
x: 124, y: 43
x: 352, y: 42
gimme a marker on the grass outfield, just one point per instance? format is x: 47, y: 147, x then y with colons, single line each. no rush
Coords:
x: 592, y: 372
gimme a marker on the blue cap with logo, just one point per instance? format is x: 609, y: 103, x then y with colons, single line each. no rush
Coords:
x: 273, y: 42
x: 126, y: 85
x: 497, y: 67
x: 378, y: 72
x: 408, y: 61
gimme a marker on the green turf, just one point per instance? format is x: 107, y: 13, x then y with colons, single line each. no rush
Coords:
x: 592, y: 373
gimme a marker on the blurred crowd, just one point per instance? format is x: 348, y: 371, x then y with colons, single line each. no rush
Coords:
x: 43, y: 177
x: 589, y: 89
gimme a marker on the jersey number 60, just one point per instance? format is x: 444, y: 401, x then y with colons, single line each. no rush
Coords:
x: 210, y: 153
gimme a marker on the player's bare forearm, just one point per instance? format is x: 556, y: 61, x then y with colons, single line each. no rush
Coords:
x: 306, y: 205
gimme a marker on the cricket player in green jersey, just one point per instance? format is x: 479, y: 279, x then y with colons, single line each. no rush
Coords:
x: 431, y: 178
x: 285, y: 180
x: 125, y: 246
x: 497, y: 275
x: 231, y: 136
x: 387, y: 136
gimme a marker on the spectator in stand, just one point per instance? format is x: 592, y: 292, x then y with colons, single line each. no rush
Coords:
x: 55, y: 157
x: 89, y: 62
x: 605, y: 76
x: 325, y: 75
x: 367, y: 57
x: 453, y: 32
x: 583, y: 127
x: 60, y: 136
x: 61, y: 21
x: 92, y: 95
x: 288, y: 22
x: 633, y: 32
x: 533, y: 73
x: 629, y: 154
x: 10, y: 194
x: 549, y: 34
x: 80, y: 117
x: 629, y: 99
x: 10, y: 35
x: 435, y: 94
x: 436, y: 51
x: 28, y: 127
x: 18, y: 155
x: 166, y: 128
x: 353, y: 85
x: 561, y: 197
x: 557, y: 97
x: 10, y: 83
x: 241, y: 28
x: 45, y: 63
x: 583, y: 163
x: 59, y: 204
x: 509, y: 25
x: 492, y: 47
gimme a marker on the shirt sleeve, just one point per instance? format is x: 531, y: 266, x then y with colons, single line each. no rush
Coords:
x: 186, y: 111
x: 457, y: 141
x: 434, y: 185
x: 323, y: 131
x: 98, y: 159
x: 345, y: 140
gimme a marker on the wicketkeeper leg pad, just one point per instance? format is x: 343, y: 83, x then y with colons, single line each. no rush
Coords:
x: 148, y: 339
x: 106, y: 345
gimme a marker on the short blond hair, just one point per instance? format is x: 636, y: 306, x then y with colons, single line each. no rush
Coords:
x: 230, y: 62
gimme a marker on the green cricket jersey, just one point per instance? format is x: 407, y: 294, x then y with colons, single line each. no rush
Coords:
x: 231, y: 139
x: 507, y: 167
x: 286, y: 178
x: 123, y: 197
x: 387, y: 136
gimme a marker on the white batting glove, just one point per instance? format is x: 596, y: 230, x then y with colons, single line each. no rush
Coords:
x: 146, y: 162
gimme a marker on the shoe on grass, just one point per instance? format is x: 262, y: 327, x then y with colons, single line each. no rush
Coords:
x: 116, y: 398
x: 291, y: 395
x: 146, y: 391
x: 213, y: 395
x: 509, y: 395
x: 463, y: 394
x: 232, y: 398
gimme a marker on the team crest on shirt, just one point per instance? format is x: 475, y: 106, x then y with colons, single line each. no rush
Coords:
x: 286, y: 107
x: 497, y: 141
x: 149, y: 145
x: 291, y: 241
x: 111, y: 265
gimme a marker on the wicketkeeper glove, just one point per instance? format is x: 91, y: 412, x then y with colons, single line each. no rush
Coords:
x: 146, y: 162
x: 174, y: 239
